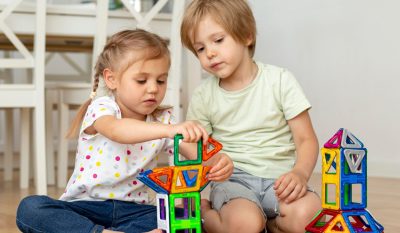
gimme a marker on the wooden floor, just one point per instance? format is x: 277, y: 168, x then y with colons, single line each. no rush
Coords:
x: 383, y: 201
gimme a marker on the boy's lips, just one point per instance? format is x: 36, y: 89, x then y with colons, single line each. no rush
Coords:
x: 215, y: 65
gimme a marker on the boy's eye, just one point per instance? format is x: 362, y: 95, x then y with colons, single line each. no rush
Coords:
x: 219, y: 40
x: 199, y: 50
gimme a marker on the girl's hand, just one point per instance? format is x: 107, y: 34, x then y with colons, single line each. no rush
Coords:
x: 290, y: 186
x: 192, y: 131
x: 222, y: 167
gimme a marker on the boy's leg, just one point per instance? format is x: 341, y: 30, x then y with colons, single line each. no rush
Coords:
x: 236, y: 216
x: 44, y: 214
x: 294, y: 217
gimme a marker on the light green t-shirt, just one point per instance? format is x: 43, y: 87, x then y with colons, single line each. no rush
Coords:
x: 252, y: 123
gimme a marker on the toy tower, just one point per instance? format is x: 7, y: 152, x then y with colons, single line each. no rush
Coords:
x: 344, y: 174
x: 180, y: 184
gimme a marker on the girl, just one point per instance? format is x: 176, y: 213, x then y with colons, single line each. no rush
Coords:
x: 121, y: 135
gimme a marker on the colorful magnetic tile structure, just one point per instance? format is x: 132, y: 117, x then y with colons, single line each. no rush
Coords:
x: 184, y: 182
x: 344, y: 167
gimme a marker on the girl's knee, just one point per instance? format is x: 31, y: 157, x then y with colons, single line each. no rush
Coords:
x: 29, y: 206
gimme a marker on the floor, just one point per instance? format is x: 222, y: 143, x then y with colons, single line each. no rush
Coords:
x: 383, y: 200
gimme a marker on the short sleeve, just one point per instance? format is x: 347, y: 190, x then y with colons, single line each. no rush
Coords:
x: 166, y: 116
x: 197, y: 111
x: 102, y: 106
x: 293, y: 99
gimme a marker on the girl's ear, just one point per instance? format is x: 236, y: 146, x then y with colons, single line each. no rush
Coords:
x: 109, y: 79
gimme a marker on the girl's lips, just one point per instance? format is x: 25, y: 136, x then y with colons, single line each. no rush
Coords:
x: 150, y: 101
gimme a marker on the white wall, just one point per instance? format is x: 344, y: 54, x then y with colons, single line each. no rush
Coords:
x: 346, y: 55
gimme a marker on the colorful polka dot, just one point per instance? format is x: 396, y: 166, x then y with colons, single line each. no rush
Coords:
x: 87, y: 156
x: 117, y: 175
x: 95, y: 175
x: 117, y: 158
x: 98, y: 163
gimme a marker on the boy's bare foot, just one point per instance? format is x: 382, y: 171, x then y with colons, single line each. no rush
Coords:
x: 205, y: 204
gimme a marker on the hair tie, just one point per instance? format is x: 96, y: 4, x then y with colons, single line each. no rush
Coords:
x: 92, y: 95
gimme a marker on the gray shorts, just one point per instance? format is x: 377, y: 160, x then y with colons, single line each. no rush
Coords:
x: 243, y: 185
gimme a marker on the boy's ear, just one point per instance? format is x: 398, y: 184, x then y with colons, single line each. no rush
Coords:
x: 249, y: 40
x: 109, y: 79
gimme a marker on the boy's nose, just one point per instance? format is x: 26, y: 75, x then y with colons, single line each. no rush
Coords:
x: 211, y: 53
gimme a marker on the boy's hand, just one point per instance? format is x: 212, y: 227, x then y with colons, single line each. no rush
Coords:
x: 222, y: 167
x: 290, y: 186
x: 192, y: 131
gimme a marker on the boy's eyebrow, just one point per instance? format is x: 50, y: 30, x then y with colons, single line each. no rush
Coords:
x: 210, y: 36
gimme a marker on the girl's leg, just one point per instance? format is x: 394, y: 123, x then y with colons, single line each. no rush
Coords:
x: 294, y: 217
x: 131, y: 217
x: 44, y: 214
x: 238, y: 215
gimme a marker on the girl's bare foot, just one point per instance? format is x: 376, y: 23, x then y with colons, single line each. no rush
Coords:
x: 155, y: 231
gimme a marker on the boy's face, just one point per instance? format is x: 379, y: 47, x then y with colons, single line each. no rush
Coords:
x: 218, y: 52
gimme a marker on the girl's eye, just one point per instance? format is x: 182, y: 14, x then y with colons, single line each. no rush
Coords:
x: 141, y: 81
x: 160, y: 81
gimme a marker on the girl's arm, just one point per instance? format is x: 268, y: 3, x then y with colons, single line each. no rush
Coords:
x: 131, y: 131
x: 293, y: 184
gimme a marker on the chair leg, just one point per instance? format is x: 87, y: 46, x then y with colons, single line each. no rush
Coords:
x: 8, y: 148
x: 40, y: 150
x: 49, y: 137
x: 25, y: 148
x: 62, y: 163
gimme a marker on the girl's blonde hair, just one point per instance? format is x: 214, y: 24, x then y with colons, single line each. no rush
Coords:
x: 235, y: 16
x: 122, y: 50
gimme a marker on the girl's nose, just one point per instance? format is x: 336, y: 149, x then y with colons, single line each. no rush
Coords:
x: 152, y: 87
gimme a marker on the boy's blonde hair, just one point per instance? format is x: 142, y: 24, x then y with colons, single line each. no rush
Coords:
x: 235, y: 16
x: 122, y: 50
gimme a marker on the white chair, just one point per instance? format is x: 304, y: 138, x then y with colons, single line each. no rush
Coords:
x: 27, y: 96
x: 70, y: 95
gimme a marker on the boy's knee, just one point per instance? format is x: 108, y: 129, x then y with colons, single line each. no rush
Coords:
x: 238, y: 223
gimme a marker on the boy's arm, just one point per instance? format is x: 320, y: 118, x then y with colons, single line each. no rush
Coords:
x: 130, y: 131
x: 221, y: 163
x: 293, y: 184
x: 306, y: 144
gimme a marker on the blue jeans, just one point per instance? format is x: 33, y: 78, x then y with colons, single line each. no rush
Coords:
x: 44, y: 214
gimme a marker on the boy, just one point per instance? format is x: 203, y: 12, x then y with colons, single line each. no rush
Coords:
x: 260, y: 114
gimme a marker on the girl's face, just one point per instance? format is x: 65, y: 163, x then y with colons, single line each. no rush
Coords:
x: 218, y: 52
x: 141, y: 88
